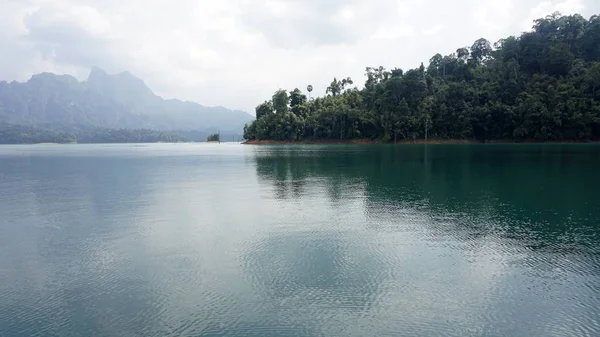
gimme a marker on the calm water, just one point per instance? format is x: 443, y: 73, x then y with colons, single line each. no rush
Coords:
x: 233, y: 240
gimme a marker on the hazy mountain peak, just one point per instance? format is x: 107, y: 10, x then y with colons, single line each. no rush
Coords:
x: 126, y: 74
x: 124, y: 87
x: 97, y: 74
x: 47, y: 77
x: 127, y: 78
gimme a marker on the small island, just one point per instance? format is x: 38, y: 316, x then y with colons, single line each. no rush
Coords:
x: 213, y: 138
x: 541, y: 86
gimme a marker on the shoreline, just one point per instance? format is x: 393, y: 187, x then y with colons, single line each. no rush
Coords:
x: 405, y: 142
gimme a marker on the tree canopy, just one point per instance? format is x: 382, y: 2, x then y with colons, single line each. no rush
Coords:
x: 543, y: 85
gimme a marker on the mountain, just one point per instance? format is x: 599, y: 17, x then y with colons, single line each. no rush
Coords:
x: 61, y: 102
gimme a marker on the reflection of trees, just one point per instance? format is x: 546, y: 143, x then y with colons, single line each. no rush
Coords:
x: 542, y: 192
x: 294, y: 172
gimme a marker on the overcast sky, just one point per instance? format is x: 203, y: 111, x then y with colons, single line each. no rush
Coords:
x: 235, y: 53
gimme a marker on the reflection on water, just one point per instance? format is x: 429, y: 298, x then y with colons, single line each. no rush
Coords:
x: 489, y: 226
x: 545, y: 187
x: 229, y: 240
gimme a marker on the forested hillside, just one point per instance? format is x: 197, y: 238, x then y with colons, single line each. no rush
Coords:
x: 23, y: 134
x: 543, y: 85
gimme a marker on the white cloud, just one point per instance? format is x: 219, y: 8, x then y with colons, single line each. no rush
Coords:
x: 404, y: 9
x: 394, y: 32
x: 345, y: 15
x: 433, y: 30
x: 492, y: 16
x: 235, y: 53
x: 81, y: 17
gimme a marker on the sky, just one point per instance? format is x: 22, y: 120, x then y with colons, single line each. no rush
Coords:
x: 236, y: 53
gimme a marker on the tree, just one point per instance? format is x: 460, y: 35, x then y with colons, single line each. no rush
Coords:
x: 548, y: 26
x: 481, y: 50
x: 280, y: 101
x: 297, y: 99
x: 336, y: 87
x: 557, y: 60
x: 250, y: 131
x: 264, y: 109
x: 346, y: 81
x: 375, y: 76
x: 401, y: 122
x: 593, y: 77
x: 589, y: 43
x: 214, y: 137
x: 531, y: 49
x: 436, y: 66
x: 462, y: 54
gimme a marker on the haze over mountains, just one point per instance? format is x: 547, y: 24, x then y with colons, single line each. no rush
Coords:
x: 61, y: 102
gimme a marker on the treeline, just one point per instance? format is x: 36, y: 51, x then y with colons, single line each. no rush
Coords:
x: 542, y: 85
x: 102, y: 135
x: 21, y: 134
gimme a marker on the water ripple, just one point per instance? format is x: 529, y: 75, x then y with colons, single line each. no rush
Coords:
x: 297, y: 241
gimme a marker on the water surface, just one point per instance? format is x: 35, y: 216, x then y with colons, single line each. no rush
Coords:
x: 232, y: 240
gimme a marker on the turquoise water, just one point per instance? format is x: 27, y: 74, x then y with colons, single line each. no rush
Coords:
x: 233, y: 240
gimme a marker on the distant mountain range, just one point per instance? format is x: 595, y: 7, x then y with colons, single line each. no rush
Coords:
x: 121, y: 101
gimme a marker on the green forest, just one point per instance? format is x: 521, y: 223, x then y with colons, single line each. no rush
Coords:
x: 214, y: 137
x: 21, y: 134
x: 543, y: 85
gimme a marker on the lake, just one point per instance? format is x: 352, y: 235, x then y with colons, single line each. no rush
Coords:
x: 346, y: 240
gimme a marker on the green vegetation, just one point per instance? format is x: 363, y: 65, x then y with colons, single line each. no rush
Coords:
x: 20, y: 134
x: 103, y: 135
x: 215, y: 137
x: 543, y: 85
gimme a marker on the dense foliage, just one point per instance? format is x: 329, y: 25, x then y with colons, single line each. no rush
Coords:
x: 20, y: 134
x: 543, y: 85
x: 213, y: 137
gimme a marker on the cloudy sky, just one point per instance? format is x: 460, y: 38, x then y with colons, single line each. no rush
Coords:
x: 235, y: 53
